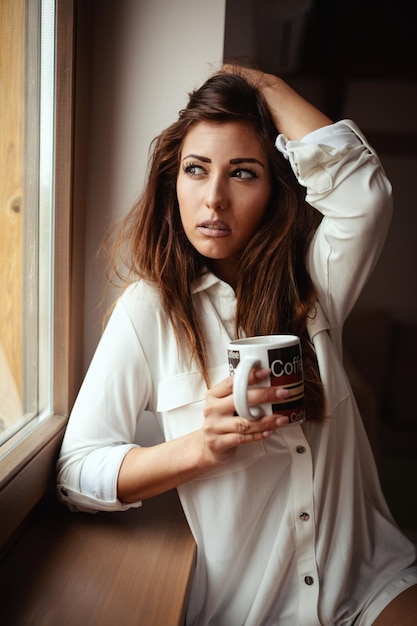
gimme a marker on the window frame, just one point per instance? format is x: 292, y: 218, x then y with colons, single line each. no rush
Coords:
x: 27, y: 469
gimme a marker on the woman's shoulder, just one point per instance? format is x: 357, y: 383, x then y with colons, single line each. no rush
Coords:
x: 141, y: 296
x: 140, y: 309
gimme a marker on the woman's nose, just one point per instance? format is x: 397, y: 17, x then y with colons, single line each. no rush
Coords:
x: 216, y: 194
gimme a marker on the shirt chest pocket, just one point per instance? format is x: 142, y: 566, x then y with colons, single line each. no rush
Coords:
x: 180, y: 406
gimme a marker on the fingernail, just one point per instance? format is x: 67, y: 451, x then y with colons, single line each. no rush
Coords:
x: 267, y: 433
x: 282, y: 420
x: 282, y: 393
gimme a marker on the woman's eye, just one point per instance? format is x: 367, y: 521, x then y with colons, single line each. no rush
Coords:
x: 192, y: 169
x: 246, y: 173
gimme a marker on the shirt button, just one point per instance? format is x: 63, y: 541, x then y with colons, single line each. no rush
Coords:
x: 300, y: 449
x: 309, y: 580
x: 304, y: 516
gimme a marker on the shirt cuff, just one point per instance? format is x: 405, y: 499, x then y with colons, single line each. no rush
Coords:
x: 98, y: 482
x: 335, y: 135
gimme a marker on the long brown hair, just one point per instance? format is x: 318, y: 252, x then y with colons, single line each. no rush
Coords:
x: 274, y: 291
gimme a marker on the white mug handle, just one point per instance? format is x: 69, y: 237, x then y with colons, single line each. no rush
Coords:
x: 240, y: 389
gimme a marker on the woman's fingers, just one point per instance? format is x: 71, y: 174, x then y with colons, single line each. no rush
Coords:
x: 221, y: 418
x: 256, y: 395
x: 255, y: 77
x: 225, y: 387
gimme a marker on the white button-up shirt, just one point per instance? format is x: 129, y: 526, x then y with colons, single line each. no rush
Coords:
x: 295, y: 531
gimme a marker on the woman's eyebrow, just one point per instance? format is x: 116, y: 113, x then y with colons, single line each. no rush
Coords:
x: 237, y: 161
x: 197, y: 156
x: 246, y: 160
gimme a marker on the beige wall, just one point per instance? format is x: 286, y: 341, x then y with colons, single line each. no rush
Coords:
x: 146, y: 56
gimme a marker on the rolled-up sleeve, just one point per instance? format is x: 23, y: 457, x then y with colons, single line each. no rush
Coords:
x: 103, y: 422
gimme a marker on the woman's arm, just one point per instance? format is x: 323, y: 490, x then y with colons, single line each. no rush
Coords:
x: 100, y: 466
x: 147, y: 472
x: 294, y: 117
x: 344, y: 181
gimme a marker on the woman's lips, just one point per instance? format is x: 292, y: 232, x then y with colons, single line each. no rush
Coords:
x: 213, y: 228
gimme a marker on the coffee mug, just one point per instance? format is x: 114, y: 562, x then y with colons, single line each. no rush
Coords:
x: 281, y: 354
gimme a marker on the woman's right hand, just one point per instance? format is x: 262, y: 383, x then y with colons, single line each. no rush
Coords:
x: 223, y: 431
x: 149, y: 471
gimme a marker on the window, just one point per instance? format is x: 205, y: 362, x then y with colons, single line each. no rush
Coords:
x: 27, y: 217
x: 35, y: 330
x: 12, y: 54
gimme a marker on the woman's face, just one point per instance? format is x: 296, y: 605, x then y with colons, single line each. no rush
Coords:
x: 223, y: 188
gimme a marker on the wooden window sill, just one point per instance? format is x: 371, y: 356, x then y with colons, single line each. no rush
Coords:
x: 128, y: 568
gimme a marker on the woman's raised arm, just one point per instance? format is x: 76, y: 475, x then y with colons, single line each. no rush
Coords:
x: 294, y: 116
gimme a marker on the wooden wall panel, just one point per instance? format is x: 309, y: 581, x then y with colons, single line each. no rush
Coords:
x: 12, y: 66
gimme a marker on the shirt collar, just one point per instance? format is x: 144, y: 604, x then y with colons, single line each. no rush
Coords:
x: 207, y: 280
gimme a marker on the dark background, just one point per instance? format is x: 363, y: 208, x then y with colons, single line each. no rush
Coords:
x: 358, y: 59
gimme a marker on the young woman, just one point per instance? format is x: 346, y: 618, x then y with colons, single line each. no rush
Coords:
x: 237, y: 236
